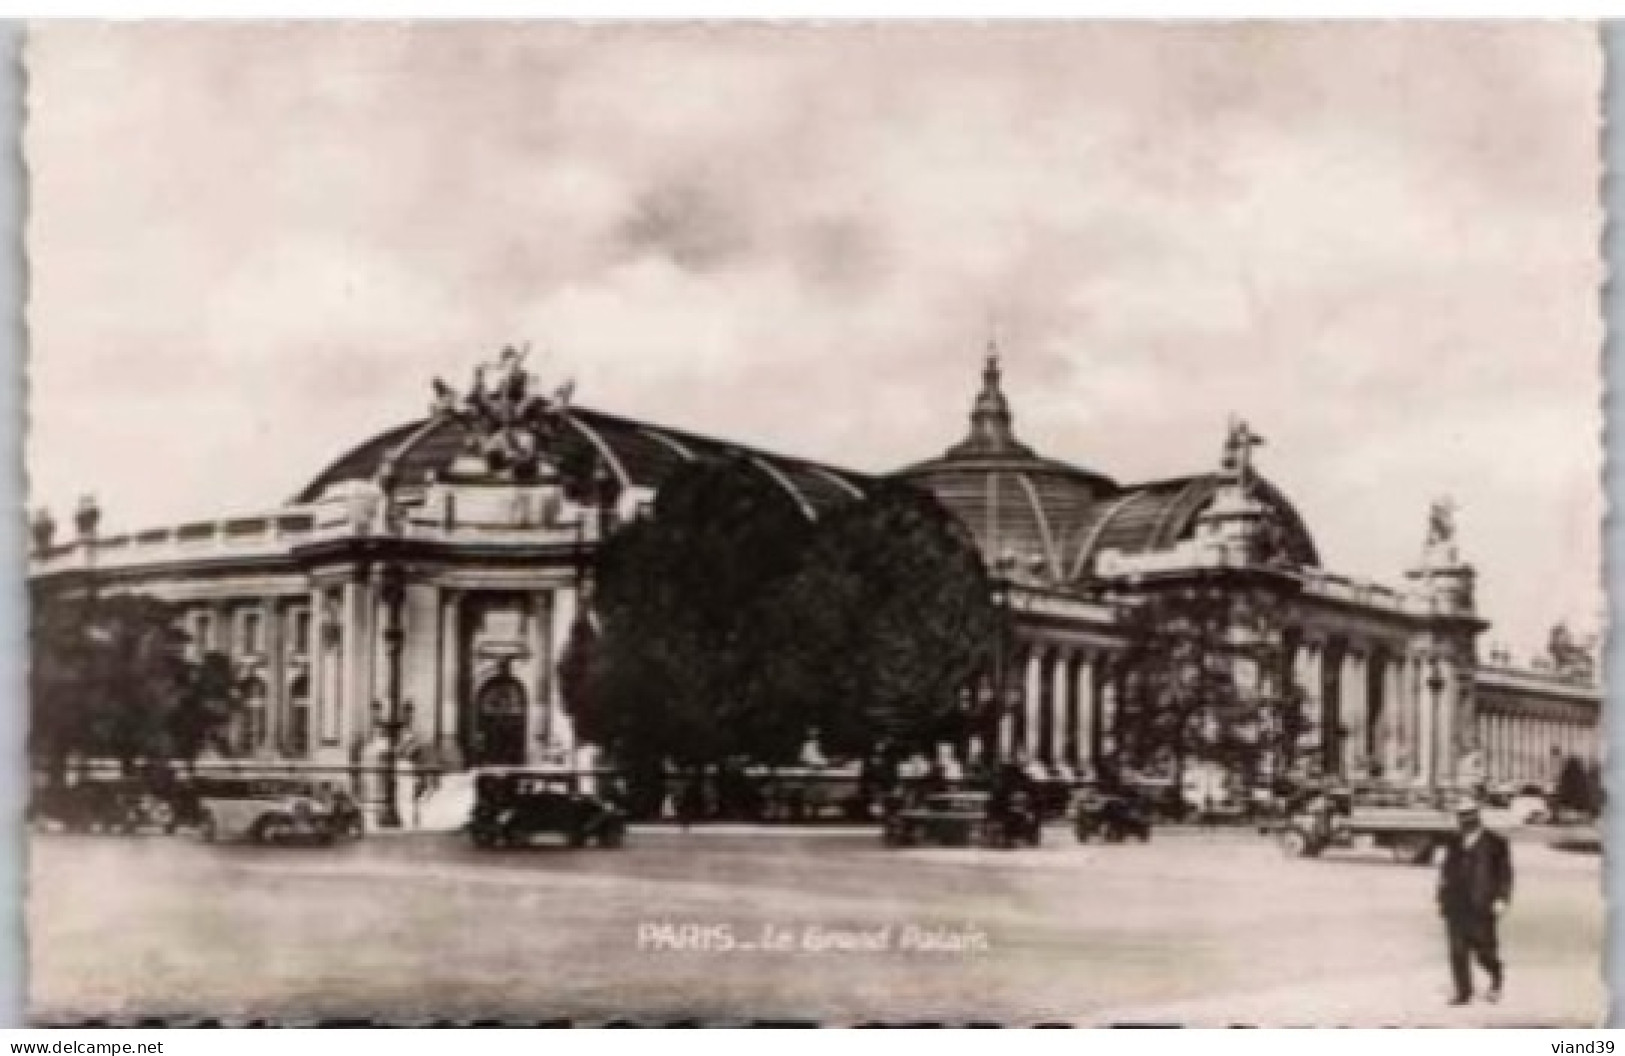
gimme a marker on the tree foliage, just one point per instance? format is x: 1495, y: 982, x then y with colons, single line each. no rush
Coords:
x: 109, y: 678
x: 678, y: 670
x: 886, y: 621
x: 1574, y: 788
x: 1204, y: 678
x: 733, y: 627
x: 210, y: 697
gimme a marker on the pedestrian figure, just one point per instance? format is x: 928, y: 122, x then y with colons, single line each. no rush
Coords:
x: 1475, y: 888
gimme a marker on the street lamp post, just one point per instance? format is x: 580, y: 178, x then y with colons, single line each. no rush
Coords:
x: 394, y: 638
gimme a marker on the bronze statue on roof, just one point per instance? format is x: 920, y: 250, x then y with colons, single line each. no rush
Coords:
x: 507, y: 421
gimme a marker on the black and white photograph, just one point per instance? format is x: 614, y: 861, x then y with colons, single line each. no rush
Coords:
x: 1015, y: 524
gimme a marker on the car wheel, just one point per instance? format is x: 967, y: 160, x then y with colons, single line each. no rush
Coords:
x: 576, y: 838
x: 612, y: 836
x: 207, y: 830
x: 271, y: 830
x: 1295, y: 843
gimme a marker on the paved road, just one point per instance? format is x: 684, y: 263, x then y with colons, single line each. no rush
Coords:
x: 1194, y: 928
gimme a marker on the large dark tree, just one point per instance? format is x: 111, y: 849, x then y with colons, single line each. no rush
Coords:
x: 107, y: 677
x: 677, y: 670
x: 209, y: 697
x: 60, y: 660
x: 884, y: 624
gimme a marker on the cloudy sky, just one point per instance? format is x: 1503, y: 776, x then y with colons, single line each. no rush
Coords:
x: 251, y: 248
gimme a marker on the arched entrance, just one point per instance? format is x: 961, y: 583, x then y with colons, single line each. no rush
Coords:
x: 499, y: 723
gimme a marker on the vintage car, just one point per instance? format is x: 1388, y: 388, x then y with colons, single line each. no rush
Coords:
x: 1110, y: 816
x: 121, y: 805
x: 1411, y: 831
x: 962, y: 819
x: 1529, y: 805
x: 275, y: 810
x: 512, y: 809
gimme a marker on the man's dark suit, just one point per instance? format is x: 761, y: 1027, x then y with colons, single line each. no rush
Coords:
x: 1472, y: 880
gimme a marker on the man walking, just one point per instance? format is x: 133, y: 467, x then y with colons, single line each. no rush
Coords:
x: 1475, y: 888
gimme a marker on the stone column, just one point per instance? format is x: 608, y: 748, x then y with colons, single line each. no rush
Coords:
x: 1450, y: 707
x: 276, y: 674
x: 1404, y: 714
x: 1315, y: 698
x: 325, y: 683
x: 1097, y: 709
x: 1393, y: 714
x: 1087, y: 701
x: 539, y: 717
x: 220, y: 629
x: 448, y: 702
x: 1034, y: 702
x: 1353, y: 709
x: 360, y: 613
x: 1303, y: 675
x: 564, y: 613
x: 1108, y: 716
x: 1424, y: 720
x: 1061, y: 707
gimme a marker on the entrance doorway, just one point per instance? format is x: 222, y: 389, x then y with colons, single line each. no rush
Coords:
x: 499, y: 723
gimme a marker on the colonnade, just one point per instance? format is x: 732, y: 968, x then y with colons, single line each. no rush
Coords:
x: 1385, y: 709
x: 1533, y: 747
x: 1066, y: 710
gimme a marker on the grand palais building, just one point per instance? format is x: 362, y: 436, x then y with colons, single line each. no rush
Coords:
x: 448, y: 554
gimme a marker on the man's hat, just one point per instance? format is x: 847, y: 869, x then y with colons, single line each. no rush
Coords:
x: 1466, y: 806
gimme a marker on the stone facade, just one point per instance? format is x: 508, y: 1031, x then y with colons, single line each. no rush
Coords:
x: 482, y: 563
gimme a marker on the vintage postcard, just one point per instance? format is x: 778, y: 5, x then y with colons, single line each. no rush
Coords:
x: 1045, y: 523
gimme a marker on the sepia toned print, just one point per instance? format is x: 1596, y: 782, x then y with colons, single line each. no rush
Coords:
x: 1084, y: 524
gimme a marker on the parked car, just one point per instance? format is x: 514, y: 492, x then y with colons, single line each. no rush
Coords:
x: 512, y: 809
x: 1411, y: 833
x: 1108, y: 816
x: 963, y: 819
x: 89, y: 805
x: 275, y: 810
x: 1529, y: 806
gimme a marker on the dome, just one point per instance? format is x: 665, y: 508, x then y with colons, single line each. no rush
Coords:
x: 1162, y: 514
x: 638, y: 454
x: 1016, y: 503
x: 1054, y: 519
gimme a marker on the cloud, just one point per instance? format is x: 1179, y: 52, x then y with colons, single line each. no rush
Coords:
x: 252, y: 246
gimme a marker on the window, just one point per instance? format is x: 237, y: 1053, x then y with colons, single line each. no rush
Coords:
x: 252, y: 636
x: 301, y: 632
x: 201, y: 636
x: 254, y: 717
x: 299, y: 715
